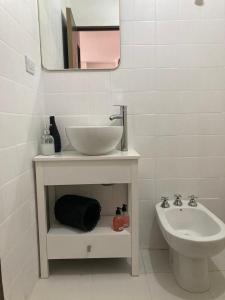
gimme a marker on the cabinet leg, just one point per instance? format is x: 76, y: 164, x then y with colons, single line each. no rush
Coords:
x: 42, y: 222
x: 133, y: 203
x: 44, y: 270
x: 135, y: 266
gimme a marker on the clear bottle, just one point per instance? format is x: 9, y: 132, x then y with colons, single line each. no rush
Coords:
x: 47, y: 143
x: 126, y: 219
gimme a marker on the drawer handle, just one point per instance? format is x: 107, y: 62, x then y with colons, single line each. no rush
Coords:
x: 89, y: 248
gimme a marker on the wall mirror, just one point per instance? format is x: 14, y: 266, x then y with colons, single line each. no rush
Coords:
x: 79, y: 34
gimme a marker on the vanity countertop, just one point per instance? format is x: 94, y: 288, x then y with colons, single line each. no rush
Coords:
x: 73, y: 155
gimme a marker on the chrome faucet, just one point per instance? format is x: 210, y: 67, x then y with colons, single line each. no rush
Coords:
x: 193, y: 201
x: 123, y: 117
x: 177, y: 201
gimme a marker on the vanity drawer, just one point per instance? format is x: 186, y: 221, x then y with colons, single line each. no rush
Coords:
x: 62, y: 247
x: 91, y: 172
x: 64, y: 242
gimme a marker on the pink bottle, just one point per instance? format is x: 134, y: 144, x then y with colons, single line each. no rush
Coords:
x: 118, y: 220
x: 126, y: 220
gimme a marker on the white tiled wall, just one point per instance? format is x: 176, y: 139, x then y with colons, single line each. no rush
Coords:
x: 172, y: 77
x: 20, y: 122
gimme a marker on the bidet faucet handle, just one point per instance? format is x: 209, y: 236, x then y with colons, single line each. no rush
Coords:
x: 165, y: 202
x: 193, y: 201
x: 177, y: 201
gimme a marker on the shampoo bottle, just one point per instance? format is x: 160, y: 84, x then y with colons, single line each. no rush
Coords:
x: 118, y: 220
x: 55, y: 133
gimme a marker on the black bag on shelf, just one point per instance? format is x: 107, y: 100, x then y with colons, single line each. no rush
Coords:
x: 78, y: 212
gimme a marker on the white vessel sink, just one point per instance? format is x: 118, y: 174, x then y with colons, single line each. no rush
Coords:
x: 94, y: 140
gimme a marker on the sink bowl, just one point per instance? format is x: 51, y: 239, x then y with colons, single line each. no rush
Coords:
x: 94, y: 140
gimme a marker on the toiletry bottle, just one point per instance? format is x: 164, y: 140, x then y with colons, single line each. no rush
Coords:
x: 125, y: 216
x: 55, y: 133
x: 47, y: 143
x: 118, y: 220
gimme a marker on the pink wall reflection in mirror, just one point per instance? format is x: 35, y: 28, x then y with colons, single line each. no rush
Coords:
x: 99, y: 49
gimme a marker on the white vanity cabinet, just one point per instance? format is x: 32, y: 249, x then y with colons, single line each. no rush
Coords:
x: 57, y: 241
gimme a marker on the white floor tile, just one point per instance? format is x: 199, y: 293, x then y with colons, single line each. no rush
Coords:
x: 120, y: 287
x: 156, y: 261
x: 217, y: 285
x: 217, y: 262
x: 164, y: 287
x: 92, y: 279
x: 109, y: 279
x: 63, y: 287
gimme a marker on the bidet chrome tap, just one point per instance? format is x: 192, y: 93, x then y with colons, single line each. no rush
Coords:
x: 123, y: 117
x: 193, y: 201
x: 165, y: 202
x: 177, y: 201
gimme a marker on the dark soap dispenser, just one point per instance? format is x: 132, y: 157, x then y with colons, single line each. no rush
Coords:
x: 55, y: 133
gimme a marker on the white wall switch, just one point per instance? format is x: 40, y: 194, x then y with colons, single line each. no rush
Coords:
x: 30, y: 65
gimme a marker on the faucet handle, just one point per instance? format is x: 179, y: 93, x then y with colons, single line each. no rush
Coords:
x: 178, y: 196
x: 193, y: 200
x: 165, y: 202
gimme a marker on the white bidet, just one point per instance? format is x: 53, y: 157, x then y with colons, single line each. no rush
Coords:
x: 193, y: 235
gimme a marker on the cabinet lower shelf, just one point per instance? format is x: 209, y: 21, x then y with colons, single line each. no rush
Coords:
x: 65, y: 242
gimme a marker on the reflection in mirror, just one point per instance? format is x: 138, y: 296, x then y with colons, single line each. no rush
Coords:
x: 79, y: 34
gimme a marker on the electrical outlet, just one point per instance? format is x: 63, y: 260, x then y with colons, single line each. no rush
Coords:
x: 30, y: 65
